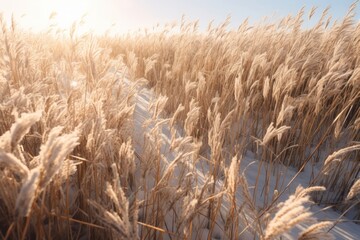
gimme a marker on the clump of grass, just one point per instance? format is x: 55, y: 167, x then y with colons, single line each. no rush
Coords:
x: 49, y: 172
x: 293, y: 93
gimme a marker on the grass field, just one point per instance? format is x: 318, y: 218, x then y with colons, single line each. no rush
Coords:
x: 88, y: 151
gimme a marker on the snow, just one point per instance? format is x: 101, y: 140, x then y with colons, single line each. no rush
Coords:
x: 253, y: 170
x: 345, y: 229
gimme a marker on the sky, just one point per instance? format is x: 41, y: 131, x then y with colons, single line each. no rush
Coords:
x: 122, y: 16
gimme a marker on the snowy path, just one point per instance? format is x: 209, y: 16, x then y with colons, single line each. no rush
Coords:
x: 142, y: 114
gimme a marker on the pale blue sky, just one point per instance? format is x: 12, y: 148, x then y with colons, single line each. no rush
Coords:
x: 134, y: 14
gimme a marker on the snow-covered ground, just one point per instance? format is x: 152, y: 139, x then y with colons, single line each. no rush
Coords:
x: 345, y: 229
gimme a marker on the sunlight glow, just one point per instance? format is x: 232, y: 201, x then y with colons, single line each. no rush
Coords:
x: 96, y: 16
x: 122, y: 16
x: 74, y: 84
x: 69, y: 11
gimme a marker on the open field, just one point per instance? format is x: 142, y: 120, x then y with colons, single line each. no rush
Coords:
x: 180, y: 133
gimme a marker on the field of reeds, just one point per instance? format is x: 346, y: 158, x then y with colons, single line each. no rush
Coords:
x: 152, y: 135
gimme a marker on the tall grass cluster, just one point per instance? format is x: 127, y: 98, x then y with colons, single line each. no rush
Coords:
x: 69, y: 165
x: 288, y: 93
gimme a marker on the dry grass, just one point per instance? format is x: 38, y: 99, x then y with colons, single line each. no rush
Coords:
x: 67, y: 144
x: 287, y: 94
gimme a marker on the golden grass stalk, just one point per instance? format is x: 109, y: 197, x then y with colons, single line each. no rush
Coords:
x: 53, y: 153
x: 272, y: 132
x: 354, y: 190
x: 336, y: 156
x: 317, y: 232
x: 291, y: 212
x: 233, y: 175
x: 123, y: 219
x: 18, y: 130
x: 12, y: 162
x: 192, y: 118
x: 27, y: 194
